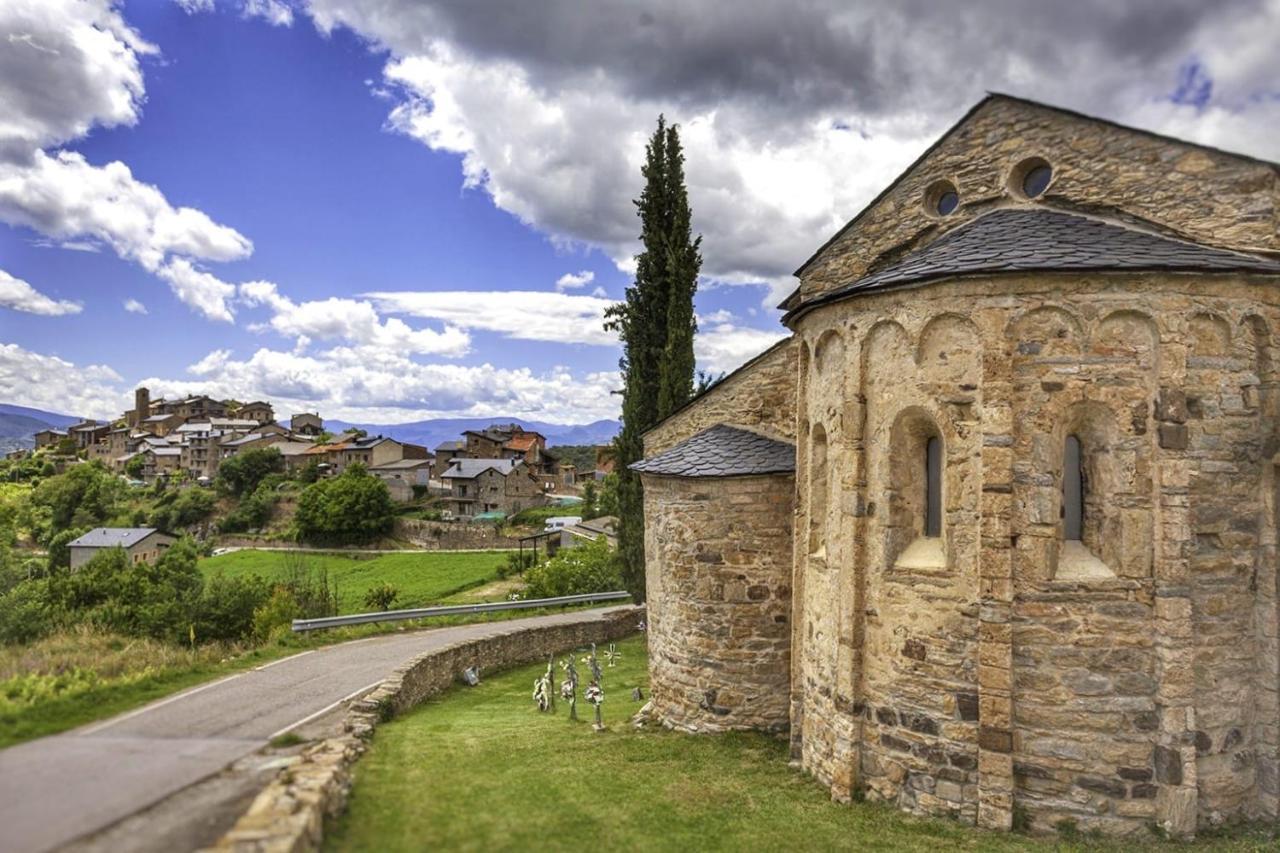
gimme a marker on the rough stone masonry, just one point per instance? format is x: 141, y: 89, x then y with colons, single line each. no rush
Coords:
x: 906, y: 597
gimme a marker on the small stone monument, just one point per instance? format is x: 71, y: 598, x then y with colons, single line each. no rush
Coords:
x: 595, y: 695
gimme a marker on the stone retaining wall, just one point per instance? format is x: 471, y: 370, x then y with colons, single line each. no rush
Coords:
x: 289, y: 814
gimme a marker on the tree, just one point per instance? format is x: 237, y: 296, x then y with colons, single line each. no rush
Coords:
x: 590, y: 496
x: 84, y: 496
x: 656, y: 325
x: 135, y: 466
x: 241, y: 474
x: 354, y: 507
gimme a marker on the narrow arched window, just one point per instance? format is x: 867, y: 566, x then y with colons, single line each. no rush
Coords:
x: 818, y: 491
x: 1072, y: 490
x: 933, y: 487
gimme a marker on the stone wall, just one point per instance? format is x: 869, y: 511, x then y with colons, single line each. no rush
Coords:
x: 1201, y: 194
x: 719, y: 591
x: 759, y: 396
x: 1124, y: 679
x: 290, y: 813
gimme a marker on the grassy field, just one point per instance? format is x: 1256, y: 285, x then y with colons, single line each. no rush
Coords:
x: 481, y: 769
x: 422, y: 578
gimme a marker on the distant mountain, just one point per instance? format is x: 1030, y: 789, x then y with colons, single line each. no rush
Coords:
x: 433, y: 432
x: 18, y: 424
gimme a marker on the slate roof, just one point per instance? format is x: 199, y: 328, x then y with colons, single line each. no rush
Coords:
x: 465, y: 469
x: 1014, y: 239
x: 109, y: 537
x: 722, y: 451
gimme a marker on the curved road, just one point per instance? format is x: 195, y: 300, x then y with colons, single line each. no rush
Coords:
x: 57, y: 789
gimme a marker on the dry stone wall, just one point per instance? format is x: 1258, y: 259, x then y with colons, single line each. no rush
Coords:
x: 963, y: 674
x: 1208, y: 196
x: 719, y: 592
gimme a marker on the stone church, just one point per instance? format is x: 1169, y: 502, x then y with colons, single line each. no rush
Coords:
x: 993, y: 533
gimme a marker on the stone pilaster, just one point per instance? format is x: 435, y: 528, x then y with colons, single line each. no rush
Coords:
x: 995, y: 636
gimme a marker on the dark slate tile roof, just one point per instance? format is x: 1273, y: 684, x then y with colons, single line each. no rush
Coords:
x: 107, y: 537
x: 1009, y: 240
x: 722, y: 451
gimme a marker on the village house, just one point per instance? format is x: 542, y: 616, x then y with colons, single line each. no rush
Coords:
x: 160, y: 424
x: 306, y: 423
x: 87, y: 433
x: 402, y: 475
x: 478, y: 486
x: 49, y: 437
x: 140, y: 544
x: 445, y: 453
x: 257, y: 411
x: 994, y: 531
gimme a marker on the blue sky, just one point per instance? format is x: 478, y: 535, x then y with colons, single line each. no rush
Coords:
x: 397, y: 210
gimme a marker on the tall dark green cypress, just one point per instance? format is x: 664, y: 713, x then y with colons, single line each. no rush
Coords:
x: 655, y: 324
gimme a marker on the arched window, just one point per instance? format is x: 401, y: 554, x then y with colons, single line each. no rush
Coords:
x: 1072, y: 491
x: 933, y: 487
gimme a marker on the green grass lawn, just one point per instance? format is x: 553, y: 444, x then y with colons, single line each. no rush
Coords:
x: 421, y: 578
x: 481, y: 769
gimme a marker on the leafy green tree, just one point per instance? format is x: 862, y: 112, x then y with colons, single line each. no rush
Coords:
x: 189, y: 507
x: 83, y: 496
x: 656, y: 325
x: 241, y: 474
x: 353, y: 507
x: 592, y: 567
x: 135, y: 466
x: 227, y: 606
x: 310, y: 473
x: 590, y: 498
x: 59, y: 554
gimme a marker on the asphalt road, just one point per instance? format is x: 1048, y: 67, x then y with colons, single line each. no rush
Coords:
x: 57, y: 789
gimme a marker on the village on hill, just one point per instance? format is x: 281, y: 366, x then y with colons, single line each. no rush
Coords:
x: 486, y: 474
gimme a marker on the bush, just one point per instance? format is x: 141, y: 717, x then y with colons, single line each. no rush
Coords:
x: 309, y: 474
x: 592, y: 567
x: 226, y: 608
x: 253, y: 513
x: 280, y: 610
x: 536, y: 516
x: 59, y: 556
x: 243, y: 472
x: 516, y: 563
x: 24, y: 616
x: 190, y: 506
x: 85, y: 496
x: 135, y: 466
x: 352, y: 508
x: 309, y: 587
x: 381, y: 597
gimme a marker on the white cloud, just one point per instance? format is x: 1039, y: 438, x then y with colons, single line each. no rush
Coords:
x: 211, y: 363
x: 192, y: 7
x: 350, y: 320
x: 56, y: 385
x: 600, y: 293
x: 574, y: 281
x: 65, y: 65
x: 528, y: 315
x: 724, y: 347
x: 133, y: 306
x: 203, y: 291
x: 275, y: 12
x: 20, y: 296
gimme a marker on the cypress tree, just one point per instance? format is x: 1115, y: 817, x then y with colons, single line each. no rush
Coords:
x: 655, y: 323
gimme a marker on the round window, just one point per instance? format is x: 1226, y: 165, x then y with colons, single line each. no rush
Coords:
x: 941, y: 199
x: 1030, y: 178
x: 1036, y: 181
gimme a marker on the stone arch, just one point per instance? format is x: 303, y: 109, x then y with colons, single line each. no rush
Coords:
x: 1046, y: 332
x: 1208, y: 335
x: 828, y: 353
x: 1128, y: 336
x: 950, y: 348
x: 887, y: 342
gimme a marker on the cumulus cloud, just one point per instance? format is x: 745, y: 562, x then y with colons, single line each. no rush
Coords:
x: 575, y: 281
x: 20, y: 296
x: 528, y: 315
x: 794, y: 115
x: 133, y: 306
x: 54, y: 384
x: 723, y: 347
x: 350, y: 320
x: 274, y: 12
x: 66, y: 66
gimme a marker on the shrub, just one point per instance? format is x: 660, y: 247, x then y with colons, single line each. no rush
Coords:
x: 592, y: 567
x: 254, y: 511
x: 190, y: 506
x: 227, y: 606
x: 59, y: 556
x: 135, y: 466
x: 516, y: 563
x: 354, y: 507
x: 24, y: 616
x: 85, y: 496
x: 280, y: 610
x: 381, y: 597
x: 309, y: 474
x: 311, y: 588
x: 243, y: 472
x: 536, y: 516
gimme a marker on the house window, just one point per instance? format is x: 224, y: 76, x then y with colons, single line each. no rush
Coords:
x: 817, y: 490
x: 1072, y: 491
x: 933, y: 486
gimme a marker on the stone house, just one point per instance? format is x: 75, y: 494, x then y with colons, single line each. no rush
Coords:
x: 140, y: 544
x: 306, y: 423
x: 49, y: 437
x: 491, y: 485
x: 994, y: 530
x: 160, y: 425
x: 88, y: 433
x: 445, y: 453
x: 257, y: 411
x: 402, y: 475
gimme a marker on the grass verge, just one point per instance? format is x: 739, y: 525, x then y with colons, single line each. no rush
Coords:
x: 421, y: 578
x: 80, y: 676
x: 480, y: 769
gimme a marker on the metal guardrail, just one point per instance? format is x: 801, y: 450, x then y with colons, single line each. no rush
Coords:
x: 300, y: 625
